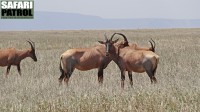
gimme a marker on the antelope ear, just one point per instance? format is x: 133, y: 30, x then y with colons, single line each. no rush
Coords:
x: 101, y: 42
x: 116, y: 40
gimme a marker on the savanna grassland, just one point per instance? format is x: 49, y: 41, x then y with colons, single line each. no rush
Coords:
x: 37, y: 90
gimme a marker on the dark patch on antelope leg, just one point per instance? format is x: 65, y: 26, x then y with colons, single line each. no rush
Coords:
x: 66, y: 78
x: 100, y: 76
x: 68, y: 75
x: 122, y: 79
x: 148, y: 66
x: 19, y: 69
x: 8, y: 70
x: 61, y: 78
x: 154, y: 71
x: 154, y: 79
x: 130, y: 78
x: 150, y: 74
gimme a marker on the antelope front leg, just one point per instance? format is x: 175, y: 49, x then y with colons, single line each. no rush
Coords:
x: 19, y: 69
x: 130, y: 78
x: 122, y: 79
x: 100, y: 76
x: 8, y: 70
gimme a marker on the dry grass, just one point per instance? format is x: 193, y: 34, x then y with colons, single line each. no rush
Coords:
x: 178, y: 75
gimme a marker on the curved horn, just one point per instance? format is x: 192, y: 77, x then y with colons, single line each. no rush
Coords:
x: 154, y: 43
x: 32, y: 44
x: 152, y: 46
x: 125, y: 39
x: 112, y: 36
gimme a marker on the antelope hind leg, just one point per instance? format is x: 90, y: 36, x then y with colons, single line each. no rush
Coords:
x: 60, y: 79
x: 68, y: 75
x: 19, y: 70
x: 8, y: 70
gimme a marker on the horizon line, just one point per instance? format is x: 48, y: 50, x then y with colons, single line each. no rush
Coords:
x: 117, y: 18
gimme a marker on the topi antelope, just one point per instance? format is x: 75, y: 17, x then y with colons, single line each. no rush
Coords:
x: 83, y: 59
x: 12, y: 56
x: 133, y: 47
x: 129, y: 59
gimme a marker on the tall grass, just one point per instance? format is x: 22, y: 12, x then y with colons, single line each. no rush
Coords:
x: 178, y: 74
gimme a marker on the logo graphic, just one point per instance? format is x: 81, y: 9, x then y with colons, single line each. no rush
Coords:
x: 15, y: 9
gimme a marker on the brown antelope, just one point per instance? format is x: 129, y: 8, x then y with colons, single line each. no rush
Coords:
x: 83, y: 59
x: 133, y: 47
x: 13, y: 56
x: 129, y: 59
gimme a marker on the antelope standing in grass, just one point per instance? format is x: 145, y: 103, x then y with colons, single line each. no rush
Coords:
x: 125, y: 43
x: 12, y: 56
x: 83, y: 59
x: 132, y: 60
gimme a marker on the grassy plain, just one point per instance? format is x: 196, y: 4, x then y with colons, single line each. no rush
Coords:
x: 37, y: 90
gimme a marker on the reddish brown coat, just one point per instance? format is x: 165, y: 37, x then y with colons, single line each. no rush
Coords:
x: 83, y: 59
x: 12, y: 56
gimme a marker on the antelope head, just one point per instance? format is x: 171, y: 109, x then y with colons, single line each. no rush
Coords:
x: 32, y: 52
x: 109, y: 44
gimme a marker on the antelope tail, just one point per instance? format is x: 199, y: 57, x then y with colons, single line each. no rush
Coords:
x: 157, y: 60
x: 61, y: 67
